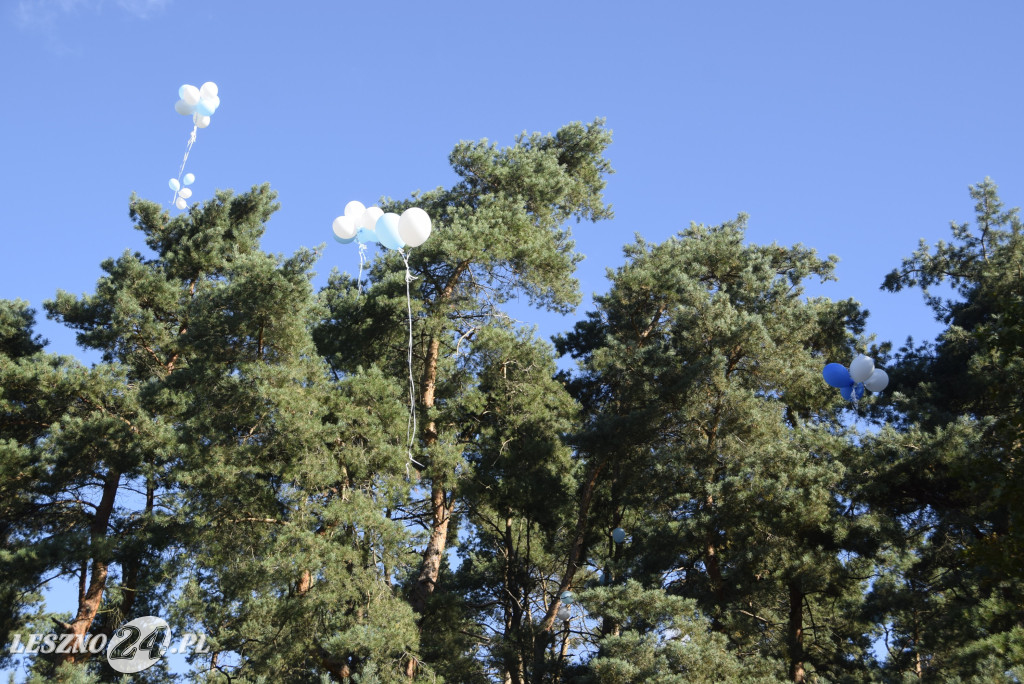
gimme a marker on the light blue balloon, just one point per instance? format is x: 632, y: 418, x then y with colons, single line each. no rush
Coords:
x: 567, y: 598
x: 366, y: 236
x: 174, y: 185
x: 181, y: 92
x: 189, y: 179
x: 204, y: 108
x: 618, y: 535
x: 387, y: 231
x: 837, y: 375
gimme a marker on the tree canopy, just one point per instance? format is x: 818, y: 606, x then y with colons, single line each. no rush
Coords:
x: 666, y: 491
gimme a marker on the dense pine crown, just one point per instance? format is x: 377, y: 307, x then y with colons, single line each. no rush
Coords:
x: 238, y: 462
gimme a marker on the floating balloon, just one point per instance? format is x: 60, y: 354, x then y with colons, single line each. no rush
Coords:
x: 618, y: 535
x: 355, y: 209
x: 190, y: 94
x: 185, y: 193
x: 366, y: 236
x: 861, y: 368
x: 200, y: 121
x: 208, y: 90
x: 344, y: 228
x: 564, y: 614
x: 184, y: 108
x: 174, y: 185
x: 180, y: 203
x: 878, y: 381
x: 387, y: 231
x: 414, y: 226
x: 369, y: 217
x: 837, y: 376
x: 189, y: 179
x: 567, y: 598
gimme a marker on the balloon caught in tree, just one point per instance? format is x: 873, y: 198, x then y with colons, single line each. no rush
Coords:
x: 372, y: 226
x: 861, y: 375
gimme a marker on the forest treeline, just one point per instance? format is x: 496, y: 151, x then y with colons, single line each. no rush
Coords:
x: 242, y: 462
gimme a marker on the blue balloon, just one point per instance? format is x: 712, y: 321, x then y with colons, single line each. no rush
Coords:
x: 203, y: 108
x: 851, y: 391
x: 618, y: 535
x: 837, y: 375
x: 366, y: 237
x: 387, y: 231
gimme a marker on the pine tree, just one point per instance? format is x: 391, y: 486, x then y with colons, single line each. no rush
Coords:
x: 272, y: 485
x: 712, y: 439
x: 499, y: 233
x: 951, y: 475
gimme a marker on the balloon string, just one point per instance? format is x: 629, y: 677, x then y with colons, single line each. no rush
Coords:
x: 188, y: 148
x: 362, y: 260
x: 411, y: 425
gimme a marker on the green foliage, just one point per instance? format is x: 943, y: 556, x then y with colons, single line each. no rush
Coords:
x: 243, y: 461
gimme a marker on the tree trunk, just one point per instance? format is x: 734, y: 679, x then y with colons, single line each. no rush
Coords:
x: 545, y: 631
x: 91, y: 598
x: 796, y: 633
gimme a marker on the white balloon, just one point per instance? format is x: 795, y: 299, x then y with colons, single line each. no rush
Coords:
x: 344, y: 227
x: 564, y: 614
x: 369, y: 218
x: 861, y: 368
x: 190, y: 94
x: 180, y: 203
x: 877, y: 381
x: 414, y: 226
x: 208, y: 90
x: 355, y: 209
x: 200, y: 121
x: 185, y: 192
x: 184, y: 108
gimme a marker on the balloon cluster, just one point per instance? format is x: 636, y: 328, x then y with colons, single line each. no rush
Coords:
x: 861, y: 375
x: 199, y: 103
x: 367, y: 226
x: 565, y: 611
x: 181, y: 193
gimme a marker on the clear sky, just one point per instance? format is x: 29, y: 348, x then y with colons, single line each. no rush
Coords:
x: 854, y: 128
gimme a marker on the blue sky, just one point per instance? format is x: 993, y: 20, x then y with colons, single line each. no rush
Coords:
x: 854, y: 128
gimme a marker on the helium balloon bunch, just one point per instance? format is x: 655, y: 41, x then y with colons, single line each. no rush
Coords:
x: 565, y: 611
x: 199, y: 103
x: 371, y: 225
x: 181, y: 193
x: 861, y: 375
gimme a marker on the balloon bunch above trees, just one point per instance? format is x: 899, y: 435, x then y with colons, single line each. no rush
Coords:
x: 371, y: 225
x: 199, y: 103
x: 861, y: 375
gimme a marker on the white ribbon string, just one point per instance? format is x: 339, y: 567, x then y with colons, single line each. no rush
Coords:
x: 362, y: 260
x: 411, y: 425
x: 188, y: 148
